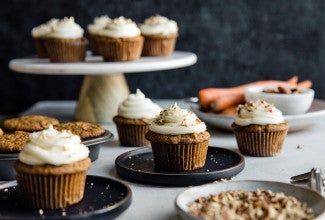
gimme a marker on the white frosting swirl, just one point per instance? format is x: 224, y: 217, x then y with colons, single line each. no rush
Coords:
x: 44, y: 30
x: 67, y: 28
x: 98, y: 24
x: 137, y: 106
x: 258, y: 112
x: 120, y: 27
x: 53, y: 147
x: 158, y: 25
x: 174, y: 121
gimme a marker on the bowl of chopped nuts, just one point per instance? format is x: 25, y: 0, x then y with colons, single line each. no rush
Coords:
x: 290, y: 101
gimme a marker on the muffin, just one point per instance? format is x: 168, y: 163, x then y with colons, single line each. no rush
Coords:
x: 259, y: 128
x: 120, y: 40
x: 29, y: 123
x: 66, y: 42
x: 160, y: 34
x: 51, y: 169
x: 133, y: 117
x: 82, y: 129
x: 13, y: 142
x: 93, y: 28
x: 179, y: 140
x: 40, y: 34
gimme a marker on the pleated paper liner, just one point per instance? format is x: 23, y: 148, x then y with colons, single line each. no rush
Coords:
x: 40, y: 47
x: 159, y: 45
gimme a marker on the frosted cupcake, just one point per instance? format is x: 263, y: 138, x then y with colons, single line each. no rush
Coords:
x: 179, y: 140
x: 66, y: 42
x: 40, y: 34
x: 51, y: 169
x: 93, y: 29
x: 259, y: 128
x: 133, y: 117
x: 160, y: 34
x: 121, y: 40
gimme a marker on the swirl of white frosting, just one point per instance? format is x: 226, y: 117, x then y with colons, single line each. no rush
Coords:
x: 67, y: 28
x: 98, y: 23
x: 158, y: 25
x: 53, y: 147
x: 174, y: 121
x: 120, y: 27
x: 44, y: 29
x: 258, y: 112
x: 137, y: 106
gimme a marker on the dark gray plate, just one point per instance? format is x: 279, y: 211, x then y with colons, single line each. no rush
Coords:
x: 138, y: 165
x: 104, y: 198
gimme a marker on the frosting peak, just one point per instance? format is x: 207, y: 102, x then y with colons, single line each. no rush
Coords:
x: 98, y: 23
x: 158, y: 25
x: 67, y: 28
x: 120, y: 27
x: 44, y: 29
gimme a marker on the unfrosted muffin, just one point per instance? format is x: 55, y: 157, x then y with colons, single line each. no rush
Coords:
x: 133, y: 117
x: 259, y: 128
x: 179, y: 140
x: 66, y: 42
x: 93, y: 29
x: 160, y: 34
x: 29, y: 123
x: 82, y: 129
x: 120, y: 40
x: 13, y: 142
x: 51, y: 170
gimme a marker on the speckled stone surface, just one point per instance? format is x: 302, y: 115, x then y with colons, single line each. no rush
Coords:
x: 236, y: 42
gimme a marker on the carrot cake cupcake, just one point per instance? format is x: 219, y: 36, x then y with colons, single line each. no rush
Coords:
x: 93, y: 29
x: 259, y: 128
x: 133, y: 118
x: 160, y: 34
x: 179, y: 140
x: 29, y: 123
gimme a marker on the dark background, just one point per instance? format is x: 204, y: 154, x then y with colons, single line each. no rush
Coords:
x: 236, y: 42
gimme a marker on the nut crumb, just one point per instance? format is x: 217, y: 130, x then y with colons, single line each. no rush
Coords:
x: 300, y: 146
x: 40, y: 211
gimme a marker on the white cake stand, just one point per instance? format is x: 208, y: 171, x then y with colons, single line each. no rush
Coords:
x: 104, y: 86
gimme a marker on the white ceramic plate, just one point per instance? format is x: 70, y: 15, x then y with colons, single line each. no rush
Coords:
x: 296, y: 122
x: 312, y: 198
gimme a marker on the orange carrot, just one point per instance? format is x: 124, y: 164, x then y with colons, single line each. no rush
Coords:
x: 304, y: 84
x: 230, y: 111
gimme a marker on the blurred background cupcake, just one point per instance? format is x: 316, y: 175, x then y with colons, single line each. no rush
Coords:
x: 121, y: 40
x: 66, y: 42
x: 259, y: 128
x: 160, y: 34
x: 93, y: 29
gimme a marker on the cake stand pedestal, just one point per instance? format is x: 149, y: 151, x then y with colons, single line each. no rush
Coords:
x: 104, y: 86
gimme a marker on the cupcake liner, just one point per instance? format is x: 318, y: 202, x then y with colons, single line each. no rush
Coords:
x: 94, y: 43
x: 132, y: 135
x: 120, y: 49
x: 40, y: 47
x: 179, y: 157
x: 66, y: 50
x: 159, y: 45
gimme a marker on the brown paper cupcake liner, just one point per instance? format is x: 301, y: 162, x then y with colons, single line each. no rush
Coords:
x: 179, y: 157
x: 94, y: 43
x: 121, y: 49
x: 132, y: 135
x: 40, y: 47
x: 158, y: 45
x: 66, y: 50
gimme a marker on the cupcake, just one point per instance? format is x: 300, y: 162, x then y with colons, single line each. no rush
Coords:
x: 160, y: 34
x: 51, y: 169
x: 40, y: 34
x: 120, y: 40
x: 259, y: 128
x: 133, y: 117
x: 93, y: 29
x: 66, y: 42
x: 179, y: 140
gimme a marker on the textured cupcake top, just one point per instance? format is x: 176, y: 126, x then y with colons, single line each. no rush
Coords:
x: 120, y: 27
x: 175, y: 121
x: 258, y: 112
x: 44, y: 29
x: 67, y: 28
x: 53, y: 147
x: 98, y: 24
x: 158, y: 25
x: 137, y: 106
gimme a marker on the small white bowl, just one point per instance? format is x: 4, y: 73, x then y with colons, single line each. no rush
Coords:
x: 288, y: 104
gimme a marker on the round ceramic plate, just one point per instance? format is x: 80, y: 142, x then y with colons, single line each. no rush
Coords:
x: 296, y: 122
x: 104, y: 198
x: 310, y: 197
x: 138, y: 165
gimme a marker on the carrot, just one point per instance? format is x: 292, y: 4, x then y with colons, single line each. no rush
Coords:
x: 304, y: 84
x: 218, y: 99
x: 230, y: 111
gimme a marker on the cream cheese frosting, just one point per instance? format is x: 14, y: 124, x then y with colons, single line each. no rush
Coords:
x: 137, y: 106
x: 98, y: 24
x: 53, y: 147
x: 258, y: 112
x: 120, y: 27
x: 44, y: 29
x: 158, y: 25
x: 175, y: 121
x: 67, y: 28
